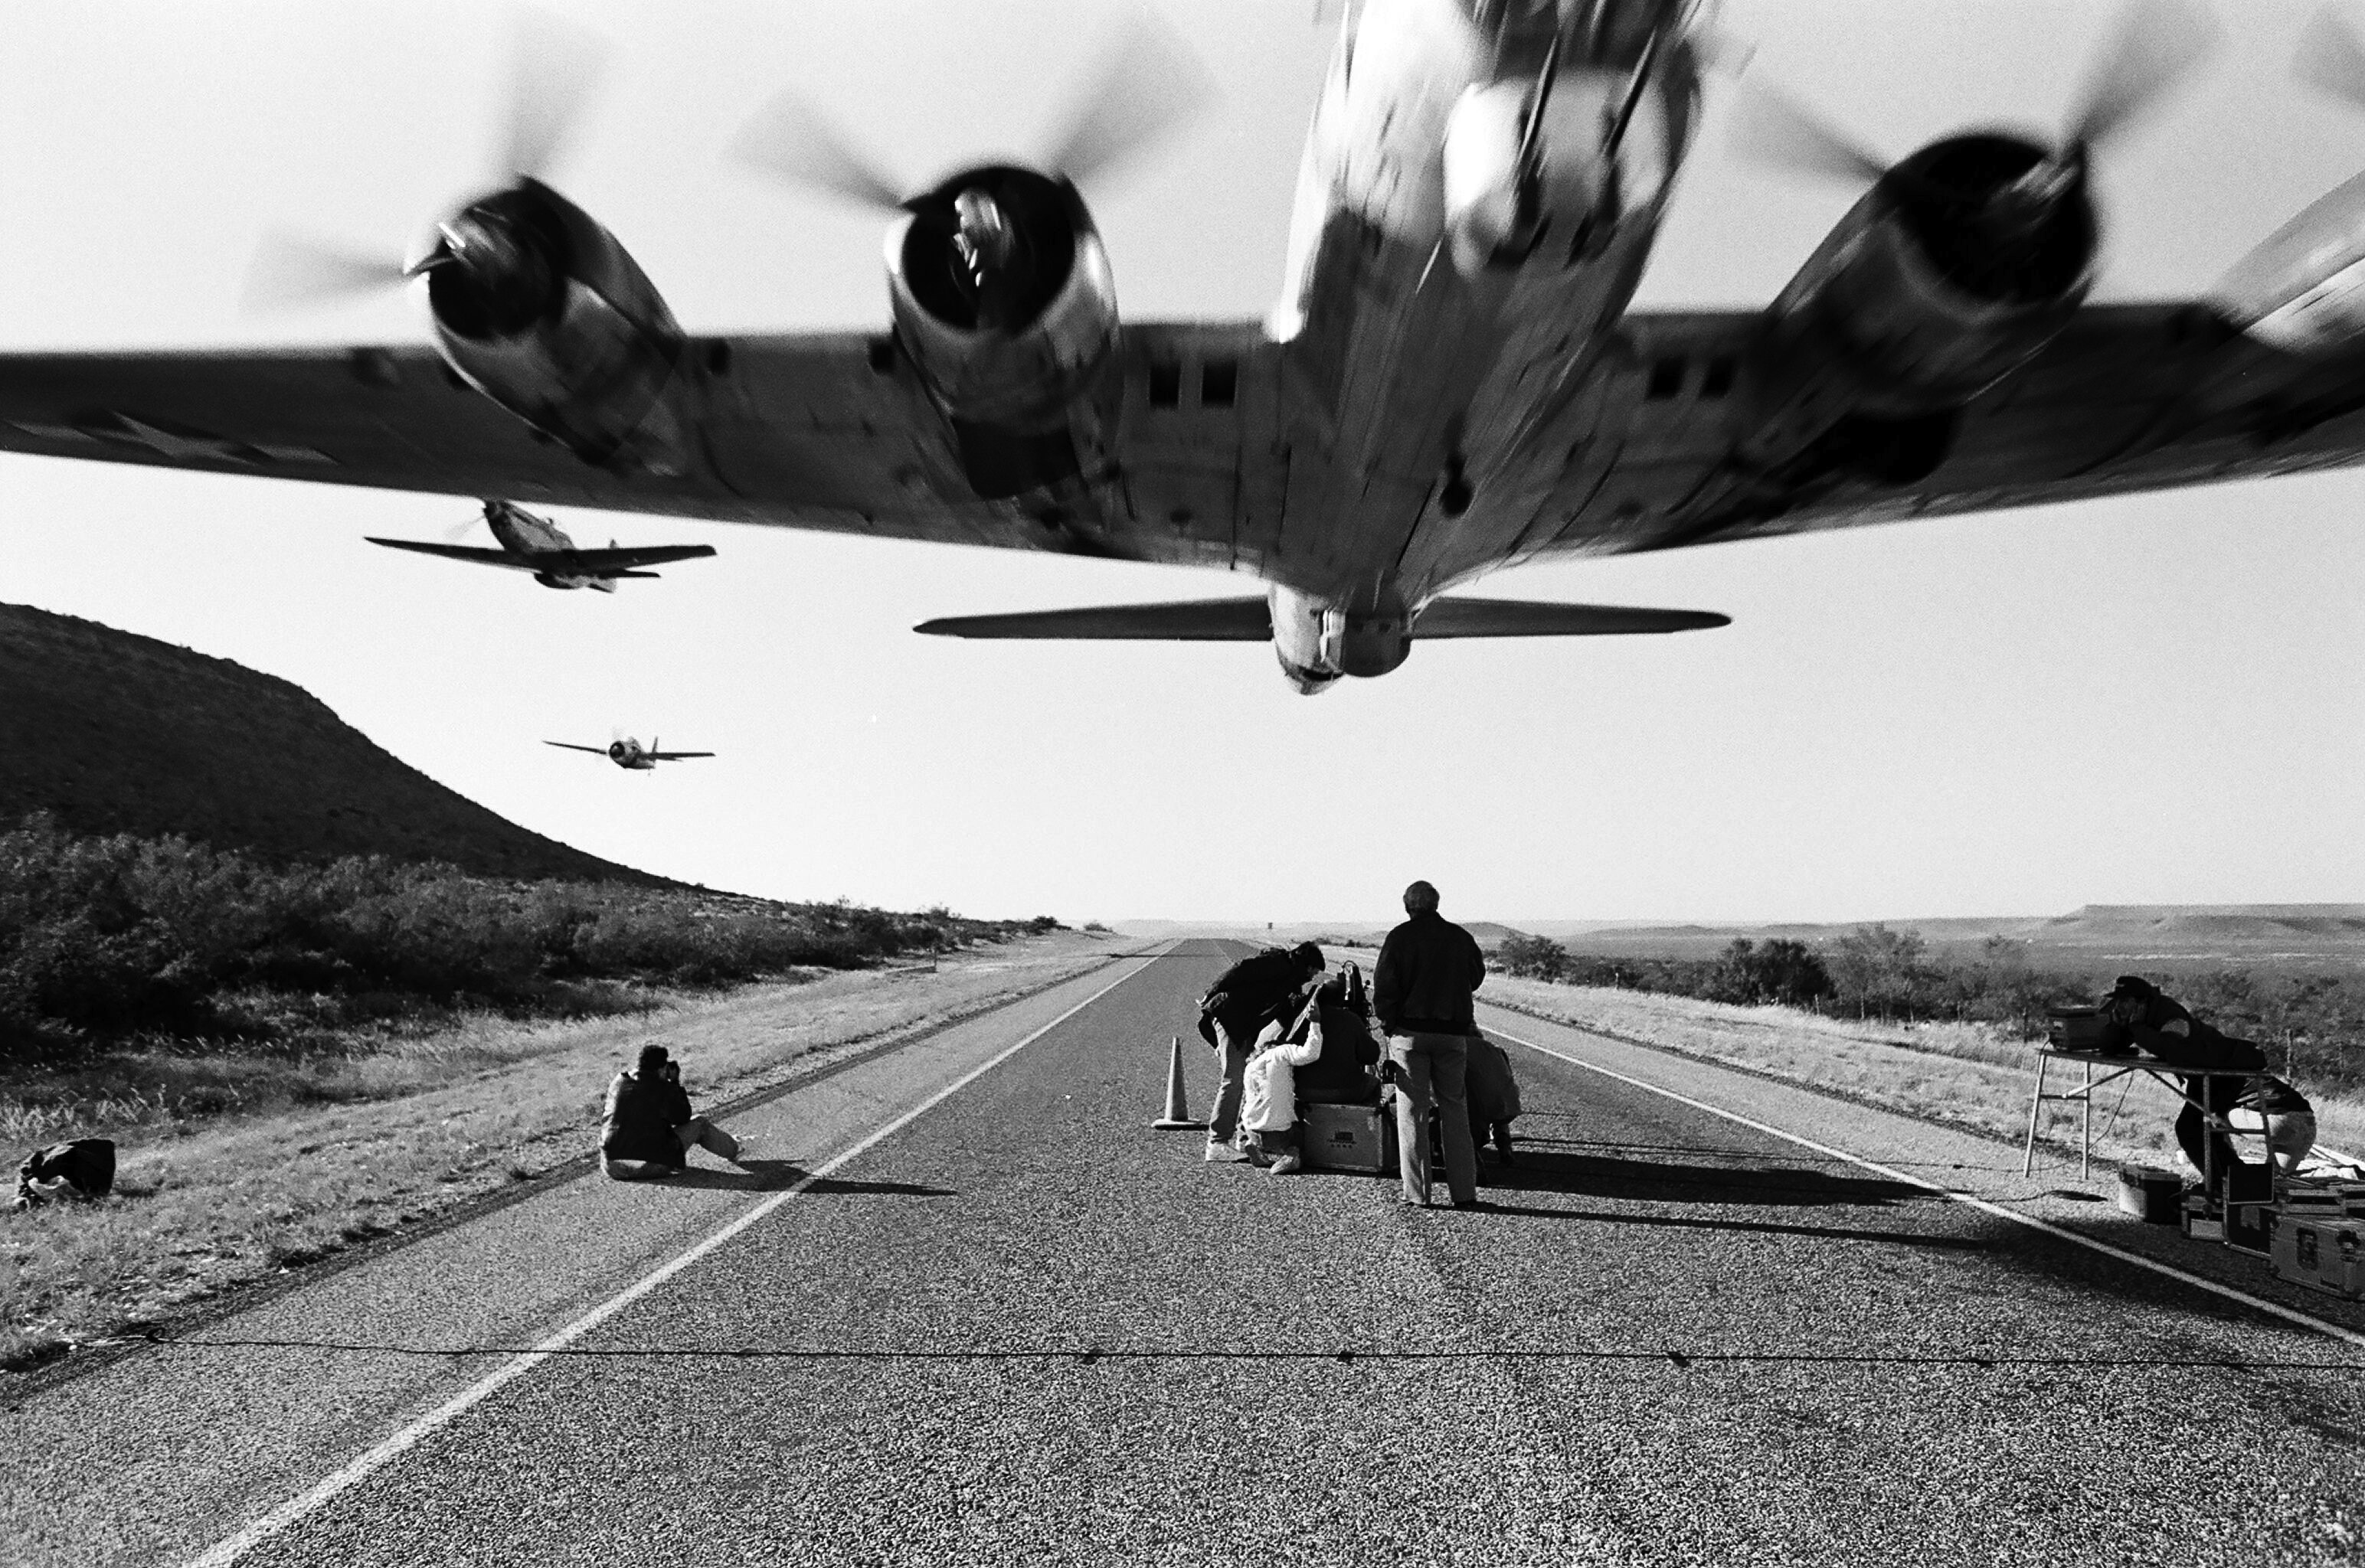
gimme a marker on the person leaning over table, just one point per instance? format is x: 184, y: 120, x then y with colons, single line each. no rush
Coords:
x: 2161, y: 1024
x: 1421, y: 989
x: 647, y: 1130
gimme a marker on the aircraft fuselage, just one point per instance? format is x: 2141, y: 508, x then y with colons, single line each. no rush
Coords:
x: 1459, y: 256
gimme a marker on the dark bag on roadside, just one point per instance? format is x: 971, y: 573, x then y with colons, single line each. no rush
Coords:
x: 81, y: 1168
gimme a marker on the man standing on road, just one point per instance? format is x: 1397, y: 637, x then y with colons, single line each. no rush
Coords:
x: 1241, y: 1002
x: 1428, y: 967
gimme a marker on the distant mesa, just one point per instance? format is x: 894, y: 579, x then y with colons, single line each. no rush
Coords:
x: 114, y: 732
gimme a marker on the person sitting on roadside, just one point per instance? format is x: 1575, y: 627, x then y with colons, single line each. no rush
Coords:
x: 1342, y: 1074
x: 648, y: 1131
x: 1492, y: 1093
x: 2161, y: 1024
x: 1244, y: 999
x: 1269, y: 1129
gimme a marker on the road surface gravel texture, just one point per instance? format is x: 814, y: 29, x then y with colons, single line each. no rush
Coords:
x: 1024, y: 1328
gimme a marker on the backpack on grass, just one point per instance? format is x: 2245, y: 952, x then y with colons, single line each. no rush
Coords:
x: 81, y: 1168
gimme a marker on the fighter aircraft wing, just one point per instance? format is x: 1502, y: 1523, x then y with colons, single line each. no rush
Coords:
x: 481, y: 557
x: 612, y: 562
x: 2128, y: 397
x: 673, y: 756
x: 570, y: 745
x: 829, y: 431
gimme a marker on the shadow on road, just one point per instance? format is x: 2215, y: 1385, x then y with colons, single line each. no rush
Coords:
x: 1543, y: 1169
x: 771, y: 1175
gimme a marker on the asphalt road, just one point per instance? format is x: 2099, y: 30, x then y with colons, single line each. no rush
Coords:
x: 1024, y: 1328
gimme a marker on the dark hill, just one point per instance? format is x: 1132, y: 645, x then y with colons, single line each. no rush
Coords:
x: 113, y: 733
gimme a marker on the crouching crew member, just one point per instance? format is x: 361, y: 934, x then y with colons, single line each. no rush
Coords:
x: 647, y: 1130
x: 1421, y: 987
x: 1494, y: 1096
x: 1342, y: 1074
x: 2161, y: 1026
x: 1269, y: 1130
x: 1244, y: 999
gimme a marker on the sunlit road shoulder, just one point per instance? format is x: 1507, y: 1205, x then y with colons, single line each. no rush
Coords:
x: 1026, y: 1328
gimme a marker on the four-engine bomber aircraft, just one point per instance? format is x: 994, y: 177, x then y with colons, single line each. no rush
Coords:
x: 1451, y: 382
x: 536, y: 545
x: 626, y: 752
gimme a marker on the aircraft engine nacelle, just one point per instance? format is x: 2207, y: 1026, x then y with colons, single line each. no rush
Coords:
x: 2302, y: 289
x: 1002, y: 298
x: 538, y: 307
x: 1959, y: 265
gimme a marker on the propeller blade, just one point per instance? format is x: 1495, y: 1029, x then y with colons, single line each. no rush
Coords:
x: 290, y: 272
x: 2154, y: 44
x: 1149, y: 83
x: 2332, y: 59
x: 558, y: 65
x: 792, y: 141
x: 1772, y: 129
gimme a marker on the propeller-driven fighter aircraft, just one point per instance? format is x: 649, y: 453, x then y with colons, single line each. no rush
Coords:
x: 536, y: 545
x: 1451, y: 382
x: 626, y: 752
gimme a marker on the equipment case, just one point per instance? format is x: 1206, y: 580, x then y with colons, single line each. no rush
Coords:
x: 2321, y: 1254
x: 1350, y: 1137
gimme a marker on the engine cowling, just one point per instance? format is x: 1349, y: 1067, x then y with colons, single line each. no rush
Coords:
x: 1958, y: 267
x: 539, y: 308
x: 2302, y: 289
x: 1004, y: 299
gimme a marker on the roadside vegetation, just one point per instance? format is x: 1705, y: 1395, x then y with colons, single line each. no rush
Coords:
x: 294, y: 1059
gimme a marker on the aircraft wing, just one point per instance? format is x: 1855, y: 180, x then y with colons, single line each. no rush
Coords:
x: 826, y: 430
x: 673, y: 756
x: 570, y: 745
x: 2128, y: 397
x: 612, y: 562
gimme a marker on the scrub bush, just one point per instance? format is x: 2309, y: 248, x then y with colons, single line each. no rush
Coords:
x: 105, y: 938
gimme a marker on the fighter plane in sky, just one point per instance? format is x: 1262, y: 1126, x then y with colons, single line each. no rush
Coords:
x: 626, y: 752
x: 536, y: 545
x: 1452, y: 381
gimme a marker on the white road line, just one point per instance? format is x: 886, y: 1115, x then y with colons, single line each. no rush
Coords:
x: 376, y: 1459
x: 2273, y: 1309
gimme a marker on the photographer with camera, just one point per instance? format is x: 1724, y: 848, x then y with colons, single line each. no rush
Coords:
x: 648, y: 1131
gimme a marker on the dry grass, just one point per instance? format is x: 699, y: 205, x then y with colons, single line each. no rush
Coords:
x: 208, y: 1198
x: 1968, y: 1075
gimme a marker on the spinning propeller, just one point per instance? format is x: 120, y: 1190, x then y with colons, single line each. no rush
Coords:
x: 558, y: 67
x: 2150, y: 49
x: 1146, y: 86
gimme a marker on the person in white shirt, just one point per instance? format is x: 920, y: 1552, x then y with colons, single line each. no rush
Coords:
x: 1269, y: 1131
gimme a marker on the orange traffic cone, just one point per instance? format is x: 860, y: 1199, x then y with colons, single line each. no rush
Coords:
x: 1178, y: 1112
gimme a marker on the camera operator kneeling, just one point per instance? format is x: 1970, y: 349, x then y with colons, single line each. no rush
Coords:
x: 647, y: 1130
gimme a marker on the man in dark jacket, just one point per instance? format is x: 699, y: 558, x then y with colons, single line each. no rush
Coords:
x: 1244, y: 999
x: 1428, y: 967
x: 647, y: 1130
x: 2160, y: 1025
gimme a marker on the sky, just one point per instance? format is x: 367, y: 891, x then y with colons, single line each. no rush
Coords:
x: 2139, y: 701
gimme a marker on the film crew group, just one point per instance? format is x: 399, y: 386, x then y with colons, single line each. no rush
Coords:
x: 648, y: 1131
x: 1289, y: 1035
x: 2142, y: 1016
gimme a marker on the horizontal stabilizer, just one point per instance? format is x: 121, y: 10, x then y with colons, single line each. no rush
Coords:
x: 612, y: 562
x: 1248, y: 621
x: 1526, y: 618
x: 1183, y: 620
